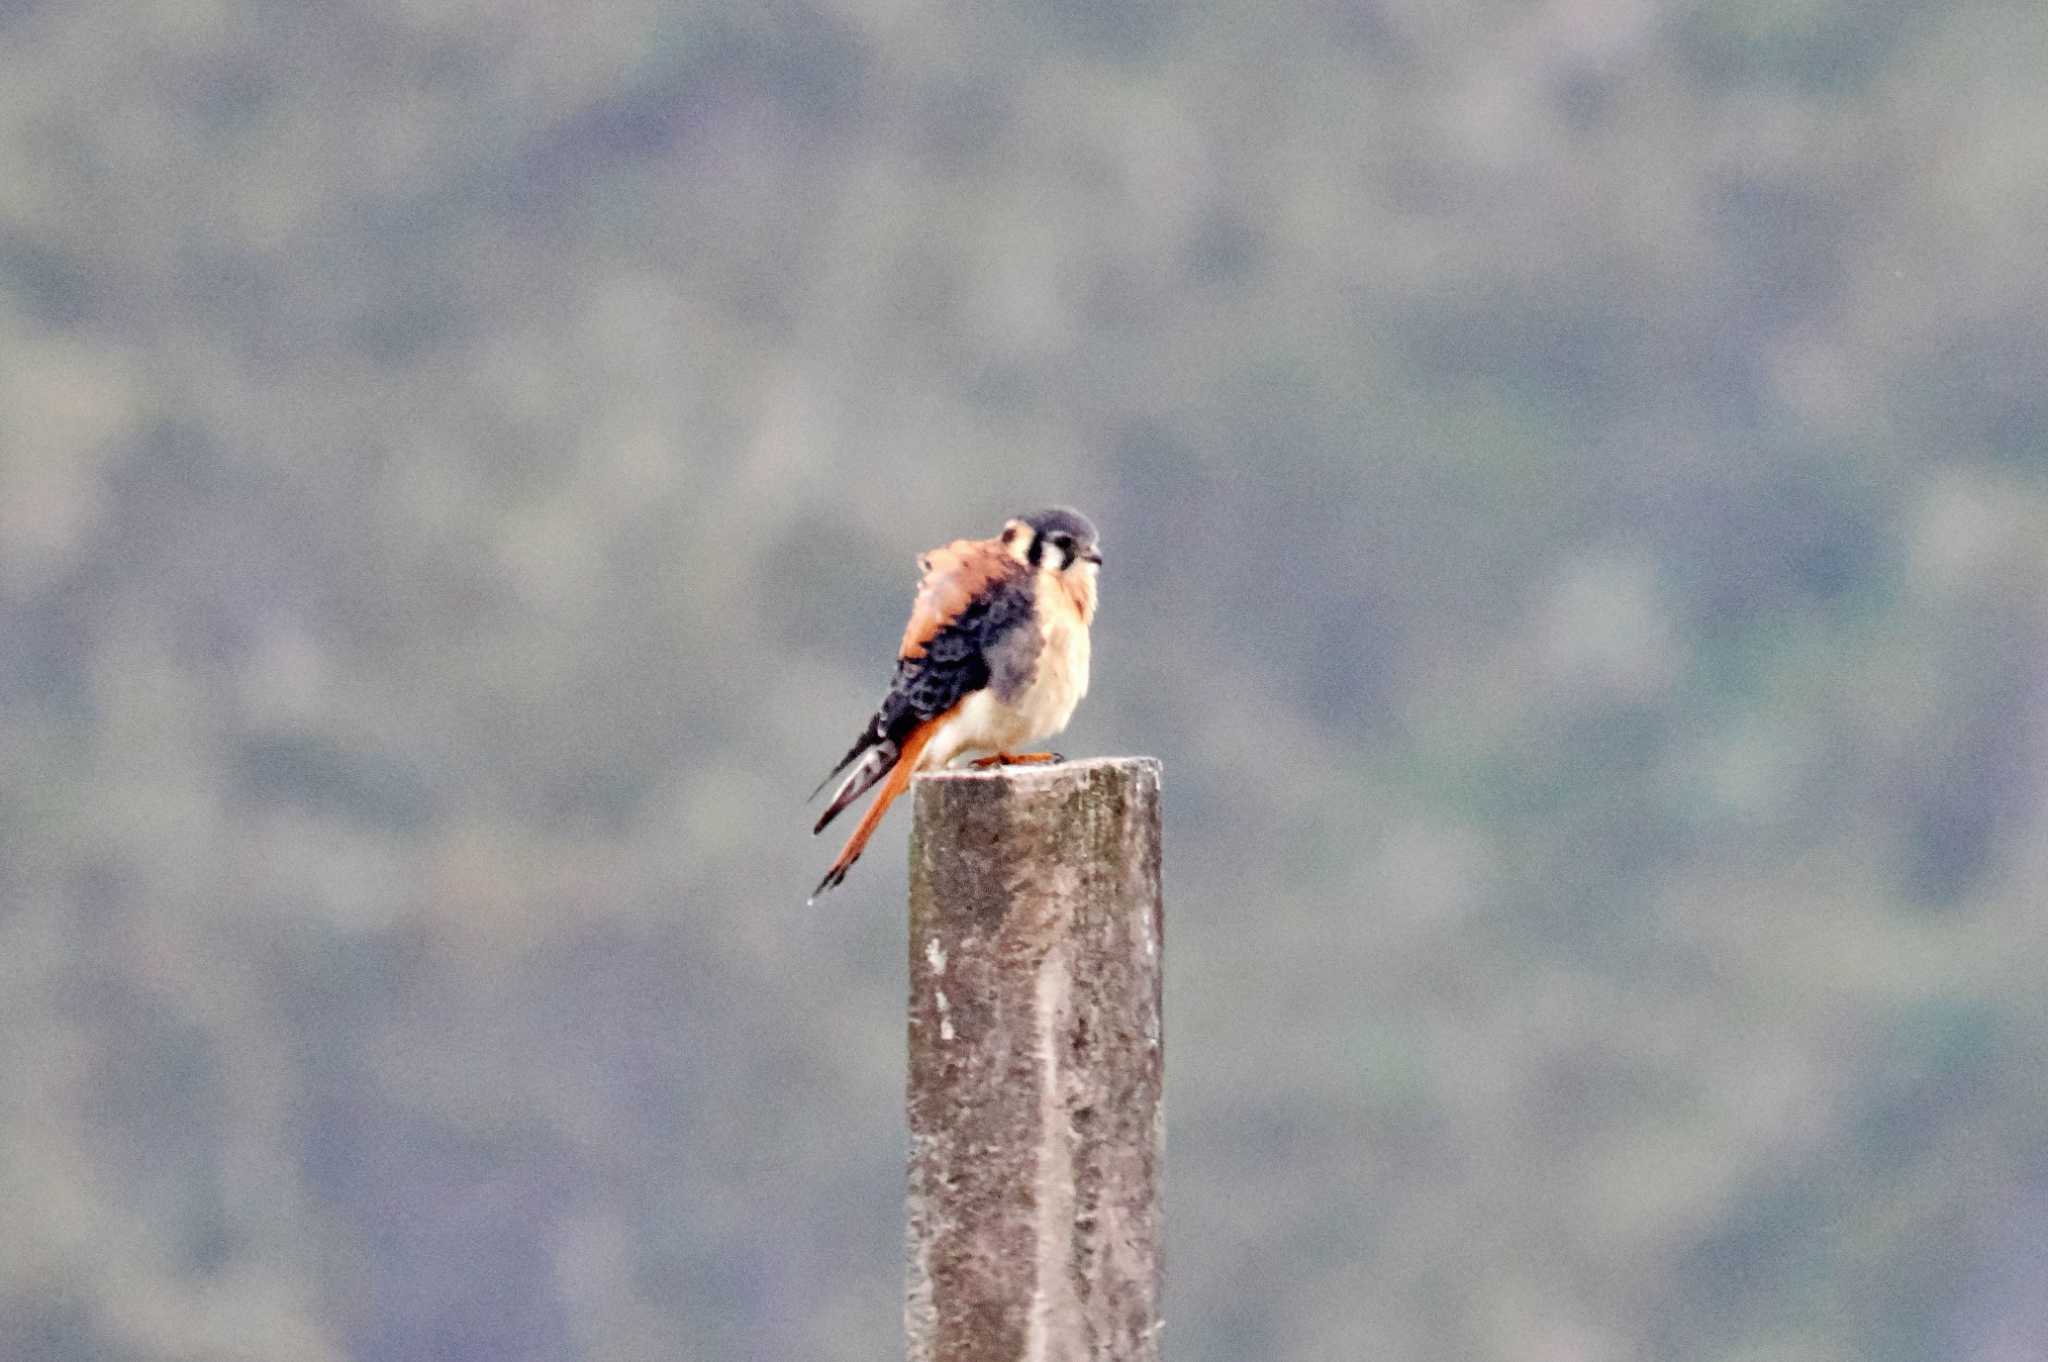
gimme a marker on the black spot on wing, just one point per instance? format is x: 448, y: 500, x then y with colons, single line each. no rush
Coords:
x: 869, y: 737
x: 876, y: 764
x: 956, y: 660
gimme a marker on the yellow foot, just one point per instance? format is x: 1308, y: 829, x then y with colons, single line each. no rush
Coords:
x: 1017, y: 759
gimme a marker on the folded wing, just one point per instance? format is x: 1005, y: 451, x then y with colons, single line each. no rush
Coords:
x: 971, y: 594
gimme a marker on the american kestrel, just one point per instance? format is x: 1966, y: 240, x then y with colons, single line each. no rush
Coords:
x: 995, y: 658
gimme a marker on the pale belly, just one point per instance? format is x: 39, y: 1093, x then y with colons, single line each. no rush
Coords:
x: 985, y: 723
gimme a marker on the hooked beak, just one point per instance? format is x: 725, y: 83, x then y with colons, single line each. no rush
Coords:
x: 1092, y: 556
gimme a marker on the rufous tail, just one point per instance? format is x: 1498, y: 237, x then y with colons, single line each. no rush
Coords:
x: 897, y: 782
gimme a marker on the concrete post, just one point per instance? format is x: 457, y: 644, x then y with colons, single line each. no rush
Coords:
x: 1035, y: 1064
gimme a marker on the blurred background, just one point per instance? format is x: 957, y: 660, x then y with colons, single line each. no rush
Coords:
x: 1574, y: 478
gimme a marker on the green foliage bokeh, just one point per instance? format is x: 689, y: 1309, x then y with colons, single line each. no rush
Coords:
x: 1573, y: 484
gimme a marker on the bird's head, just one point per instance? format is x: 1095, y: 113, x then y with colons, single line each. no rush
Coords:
x: 1058, y: 540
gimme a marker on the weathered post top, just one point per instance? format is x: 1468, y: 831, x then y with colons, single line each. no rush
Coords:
x: 1035, y: 1064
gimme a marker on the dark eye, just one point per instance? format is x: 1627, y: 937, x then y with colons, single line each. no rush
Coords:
x: 1063, y: 542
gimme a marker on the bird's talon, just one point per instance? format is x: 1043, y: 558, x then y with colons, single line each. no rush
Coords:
x: 1017, y: 759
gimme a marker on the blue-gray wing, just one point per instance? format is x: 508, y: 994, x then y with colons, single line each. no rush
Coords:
x: 972, y: 598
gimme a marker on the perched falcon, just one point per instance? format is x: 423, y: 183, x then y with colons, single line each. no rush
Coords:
x: 995, y: 658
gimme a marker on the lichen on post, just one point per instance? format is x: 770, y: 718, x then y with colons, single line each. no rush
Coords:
x: 1035, y: 1064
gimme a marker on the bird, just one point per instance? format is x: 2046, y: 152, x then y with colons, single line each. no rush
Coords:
x: 994, y: 659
